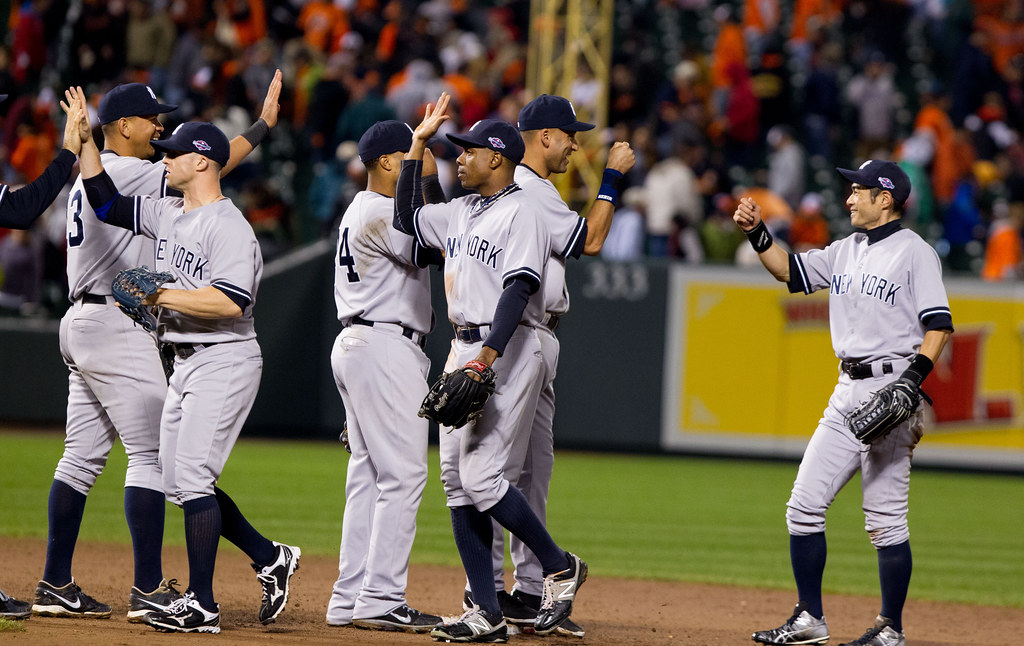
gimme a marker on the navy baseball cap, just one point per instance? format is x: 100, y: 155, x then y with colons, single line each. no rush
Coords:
x: 883, y: 174
x: 496, y: 135
x: 548, y: 111
x: 384, y: 138
x: 130, y: 100
x: 197, y: 137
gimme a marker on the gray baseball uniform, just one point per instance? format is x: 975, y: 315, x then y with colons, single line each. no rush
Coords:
x: 488, y: 243
x: 218, y: 364
x: 567, y: 232
x: 383, y: 300
x: 885, y: 290
x: 116, y: 385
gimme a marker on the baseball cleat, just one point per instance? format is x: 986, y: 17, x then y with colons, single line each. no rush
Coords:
x: 570, y: 628
x: 274, y: 578
x: 801, y: 628
x: 515, y: 607
x: 141, y: 604
x: 11, y: 608
x: 401, y: 619
x: 67, y: 601
x: 475, y: 625
x: 881, y: 634
x: 185, y: 615
x: 560, y: 590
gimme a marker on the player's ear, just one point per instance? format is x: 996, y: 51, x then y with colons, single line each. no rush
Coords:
x: 495, y: 160
x: 384, y: 161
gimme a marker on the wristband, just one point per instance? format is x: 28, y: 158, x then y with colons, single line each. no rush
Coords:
x: 760, y: 237
x: 609, y: 191
x: 920, y: 367
x: 476, y: 366
x: 257, y: 132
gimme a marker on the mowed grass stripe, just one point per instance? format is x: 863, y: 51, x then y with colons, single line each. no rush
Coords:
x: 656, y: 517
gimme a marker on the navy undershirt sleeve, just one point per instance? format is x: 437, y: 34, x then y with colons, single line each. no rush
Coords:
x: 432, y: 191
x: 508, y: 313
x: 20, y: 208
x: 408, y: 195
x: 110, y: 206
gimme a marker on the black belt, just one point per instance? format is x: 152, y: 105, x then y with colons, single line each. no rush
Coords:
x: 468, y: 333
x: 93, y: 299
x: 863, y: 370
x: 407, y: 332
x: 551, y: 321
x: 186, y: 350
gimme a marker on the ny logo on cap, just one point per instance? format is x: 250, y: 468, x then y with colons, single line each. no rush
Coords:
x: 886, y: 183
x: 200, y: 144
x: 150, y: 90
x: 571, y: 108
x: 496, y: 142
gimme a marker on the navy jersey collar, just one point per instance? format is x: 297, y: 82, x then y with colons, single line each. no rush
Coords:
x: 881, y: 233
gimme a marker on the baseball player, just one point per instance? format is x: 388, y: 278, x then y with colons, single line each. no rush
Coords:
x: 116, y: 381
x: 495, y: 249
x: 204, y: 241
x: 383, y: 296
x: 548, y: 125
x: 890, y: 320
x: 20, y: 208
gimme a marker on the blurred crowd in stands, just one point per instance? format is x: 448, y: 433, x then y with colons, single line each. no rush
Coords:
x: 718, y: 99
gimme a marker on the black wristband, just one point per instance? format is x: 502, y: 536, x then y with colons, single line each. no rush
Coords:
x: 760, y: 237
x: 256, y: 133
x: 920, y: 367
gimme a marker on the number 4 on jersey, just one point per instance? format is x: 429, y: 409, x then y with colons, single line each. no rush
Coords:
x: 345, y: 258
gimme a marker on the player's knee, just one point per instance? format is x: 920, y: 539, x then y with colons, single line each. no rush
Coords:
x: 801, y: 522
x: 81, y: 478
x: 888, y: 536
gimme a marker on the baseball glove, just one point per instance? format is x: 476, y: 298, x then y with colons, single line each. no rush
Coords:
x: 457, y: 398
x: 889, y: 407
x: 132, y: 286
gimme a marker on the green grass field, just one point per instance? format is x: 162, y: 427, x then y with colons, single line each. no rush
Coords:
x: 670, y: 518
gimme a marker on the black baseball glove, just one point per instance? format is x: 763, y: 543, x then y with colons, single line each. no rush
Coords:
x: 889, y: 407
x: 457, y: 398
x: 132, y: 286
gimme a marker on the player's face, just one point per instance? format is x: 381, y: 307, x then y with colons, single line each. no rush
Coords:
x: 563, y: 145
x: 145, y: 129
x: 474, y: 166
x: 179, y: 168
x: 865, y: 213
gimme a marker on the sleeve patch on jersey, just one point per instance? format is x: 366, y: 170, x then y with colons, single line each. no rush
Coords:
x: 240, y: 297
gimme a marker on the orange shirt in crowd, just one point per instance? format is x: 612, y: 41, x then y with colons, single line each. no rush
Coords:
x: 825, y: 12
x: 323, y: 24
x: 1003, y: 255
x: 730, y: 47
x: 945, y: 171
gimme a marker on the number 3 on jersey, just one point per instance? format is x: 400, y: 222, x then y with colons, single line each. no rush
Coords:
x: 76, y: 230
x: 345, y: 258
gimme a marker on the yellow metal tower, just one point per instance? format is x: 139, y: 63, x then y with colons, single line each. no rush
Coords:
x: 571, y: 40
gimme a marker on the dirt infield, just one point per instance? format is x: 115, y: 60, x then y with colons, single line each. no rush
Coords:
x: 613, y: 611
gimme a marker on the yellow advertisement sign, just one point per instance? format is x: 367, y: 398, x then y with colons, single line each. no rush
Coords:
x: 753, y: 361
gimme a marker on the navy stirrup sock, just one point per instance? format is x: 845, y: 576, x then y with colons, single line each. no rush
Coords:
x: 237, y: 529
x: 473, y: 536
x: 894, y: 568
x: 64, y: 510
x: 807, y: 555
x: 514, y: 514
x: 202, y: 534
x: 144, y: 511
